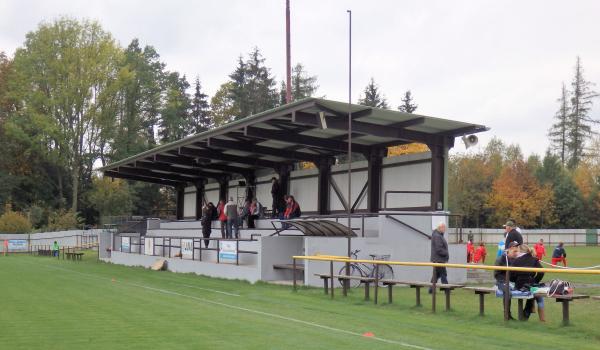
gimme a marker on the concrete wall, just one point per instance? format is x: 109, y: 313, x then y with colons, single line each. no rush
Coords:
x: 63, y: 238
x: 400, y: 242
x: 403, y: 173
x: 383, y: 236
x: 279, y: 250
x: 229, y: 271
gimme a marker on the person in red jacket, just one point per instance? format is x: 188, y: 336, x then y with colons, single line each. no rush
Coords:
x: 480, y: 254
x: 540, y: 250
x: 470, y: 251
x: 222, y: 216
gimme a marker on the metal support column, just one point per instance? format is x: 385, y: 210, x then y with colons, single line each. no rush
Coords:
x: 374, y: 179
x: 438, y: 153
x: 323, y: 203
x: 223, y: 182
x: 180, y: 202
x: 284, y: 179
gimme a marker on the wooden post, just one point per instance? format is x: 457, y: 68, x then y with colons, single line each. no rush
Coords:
x: 376, y: 283
x: 331, y: 276
x: 294, y: 272
x: 433, y: 289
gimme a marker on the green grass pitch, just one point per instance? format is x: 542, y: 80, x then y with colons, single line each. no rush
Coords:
x: 47, y: 303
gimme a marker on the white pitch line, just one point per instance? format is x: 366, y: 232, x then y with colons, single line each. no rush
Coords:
x: 263, y: 313
x: 258, y: 312
x: 207, y: 289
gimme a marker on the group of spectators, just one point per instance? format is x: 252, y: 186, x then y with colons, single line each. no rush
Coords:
x: 515, y: 254
x: 232, y: 217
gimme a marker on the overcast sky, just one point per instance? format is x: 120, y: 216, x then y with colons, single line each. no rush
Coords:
x: 497, y: 63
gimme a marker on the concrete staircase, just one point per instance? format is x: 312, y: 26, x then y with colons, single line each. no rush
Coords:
x: 480, y: 276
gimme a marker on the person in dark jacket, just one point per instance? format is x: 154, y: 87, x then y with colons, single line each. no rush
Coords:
x: 276, y: 194
x: 512, y: 234
x: 206, y: 221
x: 525, y: 280
x: 439, y: 254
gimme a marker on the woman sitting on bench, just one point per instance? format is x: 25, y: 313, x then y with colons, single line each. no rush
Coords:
x: 525, y: 280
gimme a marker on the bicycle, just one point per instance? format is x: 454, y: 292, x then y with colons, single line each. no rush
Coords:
x: 385, y: 271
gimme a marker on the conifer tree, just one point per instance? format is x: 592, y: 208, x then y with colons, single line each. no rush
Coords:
x: 580, y: 121
x: 407, y: 105
x: 558, y: 131
x: 372, y: 96
x: 201, y: 120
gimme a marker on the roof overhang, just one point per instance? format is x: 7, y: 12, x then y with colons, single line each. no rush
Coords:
x: 311, y: 130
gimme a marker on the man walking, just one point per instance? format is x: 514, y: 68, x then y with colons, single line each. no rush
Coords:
x: 439, y: 254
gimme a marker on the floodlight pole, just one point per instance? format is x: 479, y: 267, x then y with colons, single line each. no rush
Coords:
x: 288, y: 56
x: 349, y: 128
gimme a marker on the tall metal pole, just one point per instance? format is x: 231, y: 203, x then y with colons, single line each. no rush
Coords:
x: 349, y: 126
x: 288, y: 89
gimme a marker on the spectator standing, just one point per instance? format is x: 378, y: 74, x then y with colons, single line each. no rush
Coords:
x: 540, y: 250
x: 222, y: 217
x: 439, y: 254
x: 500, y: 249
x: 231, y: 211
x: 244, y: 213
x: 512, y: 233
x: 276, y: 194
x: 206, y: 221
x: 5, y: 247
x: 255, y: 210
x: 559, y: 255
x: 55, y: 249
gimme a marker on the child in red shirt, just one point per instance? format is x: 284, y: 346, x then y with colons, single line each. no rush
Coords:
x: 470, y: 251
x: 480, y: 254
x: 540, y: 250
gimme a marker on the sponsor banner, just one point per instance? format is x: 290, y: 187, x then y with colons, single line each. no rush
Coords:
x: 17, y: 244
x: 228, y: 251
x: 149, y: 246
x: 125, y: 247
x: 187, y: 248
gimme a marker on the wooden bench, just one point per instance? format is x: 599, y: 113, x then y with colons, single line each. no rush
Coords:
x: 73, y: 255
x: 447, y: 288
x: 44, y: 252
x: 481, y: 291
x: 364, y: 280
x: 564, y: 299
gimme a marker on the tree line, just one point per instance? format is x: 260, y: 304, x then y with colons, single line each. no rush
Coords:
x: 72, y: 98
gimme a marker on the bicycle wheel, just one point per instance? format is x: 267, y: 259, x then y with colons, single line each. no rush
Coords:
x: 354, y: 271
x: 385, y: 273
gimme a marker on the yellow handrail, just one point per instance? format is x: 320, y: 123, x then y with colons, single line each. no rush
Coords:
x: 463, y: 266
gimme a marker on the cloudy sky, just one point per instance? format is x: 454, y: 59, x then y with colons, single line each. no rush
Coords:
x: 498, y: 63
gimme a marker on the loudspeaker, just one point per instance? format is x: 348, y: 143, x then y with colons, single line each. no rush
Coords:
x: 470, y: 140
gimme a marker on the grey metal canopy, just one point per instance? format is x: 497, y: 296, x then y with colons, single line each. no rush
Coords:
x: 320, y: 228
x: 311, y: 130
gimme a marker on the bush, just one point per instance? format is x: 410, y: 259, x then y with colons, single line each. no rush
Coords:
x: 64, y: 220
x: 14, y: 222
